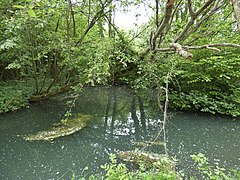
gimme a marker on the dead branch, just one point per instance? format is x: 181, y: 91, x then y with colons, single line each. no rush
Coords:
x: 165, y: 111
x: 165, y: 117
x: 213, y: 48
x: 181, y: 51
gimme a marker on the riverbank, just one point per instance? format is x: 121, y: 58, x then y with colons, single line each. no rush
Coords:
x: 15, y: 95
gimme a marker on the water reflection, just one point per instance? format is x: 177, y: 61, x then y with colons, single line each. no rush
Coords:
x: 120, y: 118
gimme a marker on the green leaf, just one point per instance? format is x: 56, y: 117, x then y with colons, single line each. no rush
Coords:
x: 13, y: 65
x: 31, y: 13
x: 50, y: 10
x: 31, y: 6
x: 18, y: 6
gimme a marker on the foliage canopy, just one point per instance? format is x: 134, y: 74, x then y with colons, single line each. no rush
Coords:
x: 58, y: 45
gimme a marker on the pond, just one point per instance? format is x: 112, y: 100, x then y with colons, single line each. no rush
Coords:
x: 120, y: 120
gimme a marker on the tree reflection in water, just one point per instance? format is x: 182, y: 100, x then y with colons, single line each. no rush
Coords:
x: 128, y: 122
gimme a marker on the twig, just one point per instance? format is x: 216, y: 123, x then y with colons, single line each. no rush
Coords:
x: 165, y: 116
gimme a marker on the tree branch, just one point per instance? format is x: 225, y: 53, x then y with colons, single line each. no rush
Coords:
x: 161, y: 27
x: 191, y: 11
x: 207, y: 3
x: 213, y: 45
x: 204, y: 18
x: 98, y: 15
x: 168, y: 28
x: 157, y: 12
x: 182, y: 50
x: 192, y: 19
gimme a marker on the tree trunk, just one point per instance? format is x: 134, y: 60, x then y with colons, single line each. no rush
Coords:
x: 236, y: 9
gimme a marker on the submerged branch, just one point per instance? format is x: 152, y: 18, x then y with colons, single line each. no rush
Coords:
x: 52, y: 93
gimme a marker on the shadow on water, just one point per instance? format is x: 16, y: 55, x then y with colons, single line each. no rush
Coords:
x: 120, y: 120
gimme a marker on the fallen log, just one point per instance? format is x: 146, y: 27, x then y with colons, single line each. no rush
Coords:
x: 160, y: 161
x: 64, y: 128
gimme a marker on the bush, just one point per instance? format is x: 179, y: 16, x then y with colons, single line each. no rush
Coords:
x: 214, y: 173
x: 115, y: 171
x: 13, y: 95
x: 209, y: 85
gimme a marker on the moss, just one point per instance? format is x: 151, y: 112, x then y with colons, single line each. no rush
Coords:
x: 65, y: 128
x: 161, y: 161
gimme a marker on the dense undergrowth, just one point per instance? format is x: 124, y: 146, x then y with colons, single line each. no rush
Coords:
x: 14, y: 95
x: 161, y: 171
x: 210, y: 85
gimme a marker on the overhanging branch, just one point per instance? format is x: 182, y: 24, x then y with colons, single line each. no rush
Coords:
x: 183, y: 50
x: 213, y: 45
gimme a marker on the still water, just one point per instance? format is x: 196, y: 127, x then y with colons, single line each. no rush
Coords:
x: 119, y: 119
